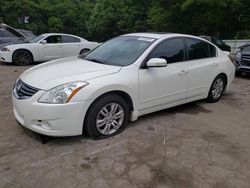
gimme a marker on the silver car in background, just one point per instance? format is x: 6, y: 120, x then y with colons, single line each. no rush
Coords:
x: 9, y: 35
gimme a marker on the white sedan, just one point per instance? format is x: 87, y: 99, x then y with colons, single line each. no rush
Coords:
x: 124, y: 78
x: 45, y: 47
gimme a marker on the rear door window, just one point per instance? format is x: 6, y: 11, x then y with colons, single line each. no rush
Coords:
x: 198, y: 49
x: 70, y: 39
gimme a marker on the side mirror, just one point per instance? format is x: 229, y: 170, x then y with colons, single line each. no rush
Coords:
x: 43, y: 42
x: 157, y: 62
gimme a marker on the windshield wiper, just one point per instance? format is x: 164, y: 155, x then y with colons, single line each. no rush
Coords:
x: 96, y: 60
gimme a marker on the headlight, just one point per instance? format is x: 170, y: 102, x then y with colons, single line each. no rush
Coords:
x: 63, y: 93
x: 5, y: 49
x: 238, y: 55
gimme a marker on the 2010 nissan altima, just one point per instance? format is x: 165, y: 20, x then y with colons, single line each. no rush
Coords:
x: 122, y: 79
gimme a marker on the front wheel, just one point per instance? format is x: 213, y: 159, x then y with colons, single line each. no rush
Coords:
x: 217, y: 89
x: 84, y: 51
x: 22, y: 57
x: 107, y: 117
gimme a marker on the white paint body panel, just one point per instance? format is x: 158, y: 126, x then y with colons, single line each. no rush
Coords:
x: 161, y: 86
x: 150, y: 89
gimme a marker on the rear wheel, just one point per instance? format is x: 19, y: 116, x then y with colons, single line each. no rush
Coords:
x: 22, y: 57
x: 217, y: 89
x: 107, y: 117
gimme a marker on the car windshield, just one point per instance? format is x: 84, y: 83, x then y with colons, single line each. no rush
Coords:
x: 120, y: 51
x: 36, y: 39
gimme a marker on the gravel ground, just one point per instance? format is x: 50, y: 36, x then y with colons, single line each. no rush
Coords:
x: 193, y: 145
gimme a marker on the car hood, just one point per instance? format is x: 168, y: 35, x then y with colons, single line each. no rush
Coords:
x: 244, y: 46
x: 245, y: 52
x: 3, y: 44
x: 13, y: 31
x: 57, y: 72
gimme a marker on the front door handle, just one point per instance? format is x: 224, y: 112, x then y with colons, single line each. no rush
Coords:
x: 182, y: 72
x: 214, y: 64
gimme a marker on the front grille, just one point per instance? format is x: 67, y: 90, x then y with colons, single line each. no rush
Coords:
x: 246, y: 59
x: 23, y: 90
x: 244, y: 69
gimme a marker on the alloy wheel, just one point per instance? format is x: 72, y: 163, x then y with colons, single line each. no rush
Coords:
x: 110, y: 118
x: 22, y: 58
x: 218, y: 88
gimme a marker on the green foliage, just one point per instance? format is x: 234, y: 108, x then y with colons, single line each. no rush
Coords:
x: 243, y: 35
x: 55, y: 24
x: 103, y: 19
x: 111, y: 18
x: 158, y: 17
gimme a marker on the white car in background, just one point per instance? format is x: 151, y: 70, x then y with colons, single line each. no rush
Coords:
x: 45, y: 47
x: 124, y: 78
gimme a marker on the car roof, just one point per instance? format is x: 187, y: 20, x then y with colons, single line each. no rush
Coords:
x: 161, y: 35
x: 47, y: 34
x: 166, y: 35
x: 150, y: 35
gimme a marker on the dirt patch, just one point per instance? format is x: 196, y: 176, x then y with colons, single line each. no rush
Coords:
x: 211, y: 136
x: 222, y: 185
x: 150, y: 128
x: 172, y: 177
x: 85, y: 166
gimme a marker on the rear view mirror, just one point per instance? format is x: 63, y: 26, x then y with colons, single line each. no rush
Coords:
x: 44, y: 42
x: 157, y: 62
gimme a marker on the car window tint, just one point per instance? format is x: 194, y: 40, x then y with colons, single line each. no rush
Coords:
x: 197, y: 49
x: 53, y: 39
x: 172, y: 50
x: 70, y: 39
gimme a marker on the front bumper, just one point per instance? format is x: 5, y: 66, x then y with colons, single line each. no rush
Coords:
x: 50, y: 119
x: 242, y: 67
x: 6, y: 57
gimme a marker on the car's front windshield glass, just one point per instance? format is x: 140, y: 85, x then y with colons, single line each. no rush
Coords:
x: 120, y: 51
x: 37, y: 39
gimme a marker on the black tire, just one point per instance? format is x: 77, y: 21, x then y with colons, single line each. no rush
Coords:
x: 90, y: 125
x: 214, y: 94
x: 22, y: 58
x: 84, y: 51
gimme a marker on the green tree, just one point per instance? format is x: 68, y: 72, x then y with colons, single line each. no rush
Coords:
x: 117, y: 17
x: 211, y: 17
x: 55, y: 24
x: 103, y: 19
